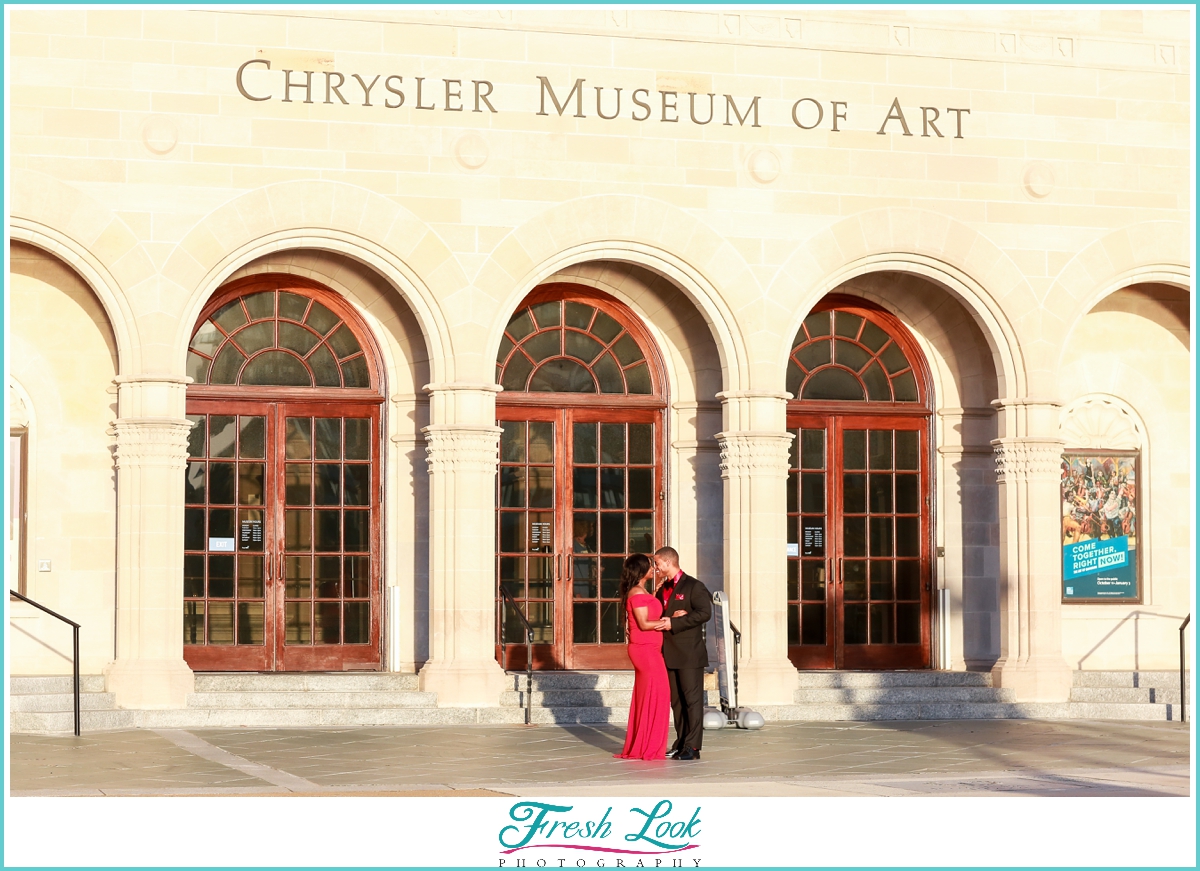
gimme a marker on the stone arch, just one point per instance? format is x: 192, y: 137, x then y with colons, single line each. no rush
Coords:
x: 638, y: 230
x: 327, y: 216
x: 1154, y: 251
x: 76, y: 229
x: 962, y: 261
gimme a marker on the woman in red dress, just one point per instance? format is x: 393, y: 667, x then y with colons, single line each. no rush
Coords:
x: 646, y: 736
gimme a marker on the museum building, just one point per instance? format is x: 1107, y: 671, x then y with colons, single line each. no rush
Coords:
x: 327, y: 329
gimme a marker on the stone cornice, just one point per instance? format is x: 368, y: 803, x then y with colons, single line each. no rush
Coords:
x: 754, y: 454
x: 462, y: 448
x: 151, y: 441
x: 1031, y: 36
x: 1024, y: 458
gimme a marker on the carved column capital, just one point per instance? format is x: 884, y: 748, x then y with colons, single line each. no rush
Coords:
x: 1027, y: 458
x: 151, y: 441
x: 754, y: 454
x: 451, y: 448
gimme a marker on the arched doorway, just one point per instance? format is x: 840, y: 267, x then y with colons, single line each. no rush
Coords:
x: 282, y: 495
x: 859, y: 509
x: 581, y: 473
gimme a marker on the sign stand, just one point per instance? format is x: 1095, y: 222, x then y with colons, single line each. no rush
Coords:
x: 729, y: 639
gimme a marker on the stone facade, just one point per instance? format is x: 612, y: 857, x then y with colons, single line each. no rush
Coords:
x: 1014, y: 185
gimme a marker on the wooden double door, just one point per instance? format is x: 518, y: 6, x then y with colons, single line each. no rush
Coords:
x: 281, y: 536
x: 859, y: 541
x: 579, y: 489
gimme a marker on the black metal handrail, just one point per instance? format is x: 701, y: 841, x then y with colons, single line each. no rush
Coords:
x: 1182, y: 669
x: 737, y: 645
x: 528, y: 651
x: 75, y: 654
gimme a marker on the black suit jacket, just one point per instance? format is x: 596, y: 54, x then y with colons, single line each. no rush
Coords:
x: 683, y: 645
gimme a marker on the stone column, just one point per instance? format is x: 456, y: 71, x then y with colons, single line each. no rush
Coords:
x: 1028, y: 463
x: 968, y: 535
x: 754, y: 464
x: 462, y: 443
x: 151, y: 452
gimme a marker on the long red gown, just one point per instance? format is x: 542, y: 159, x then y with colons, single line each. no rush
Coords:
x: 649, y: 715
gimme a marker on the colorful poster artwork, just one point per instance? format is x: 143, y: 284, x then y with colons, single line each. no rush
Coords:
x: 1100, y: 527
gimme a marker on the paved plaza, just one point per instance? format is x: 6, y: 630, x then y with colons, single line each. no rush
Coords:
x: 943, y: 758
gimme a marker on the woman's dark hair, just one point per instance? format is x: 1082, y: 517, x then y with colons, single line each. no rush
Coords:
x: 633, y: 571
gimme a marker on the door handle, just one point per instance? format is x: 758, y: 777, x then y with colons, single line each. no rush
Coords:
x: 269, y: 559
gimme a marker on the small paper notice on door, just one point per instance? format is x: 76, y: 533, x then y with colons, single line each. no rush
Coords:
x: 793, y: 548
x: 228, y: 545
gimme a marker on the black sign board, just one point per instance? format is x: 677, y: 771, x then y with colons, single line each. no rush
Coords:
x: 251, y: 535
x: 813, y: 536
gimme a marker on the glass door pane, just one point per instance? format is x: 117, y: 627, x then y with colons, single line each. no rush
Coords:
x: 326, y: 557
x: 227, y: 528
x: 886, y: 570
x: 809, y: 506
x: 614, y: 501
x: 526, y: 532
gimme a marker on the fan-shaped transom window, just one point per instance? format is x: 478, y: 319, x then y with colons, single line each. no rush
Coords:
x: 843, y: 356
x: 277, y: 338
x: 567, y: 346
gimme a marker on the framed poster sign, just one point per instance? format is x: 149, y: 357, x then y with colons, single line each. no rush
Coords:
x: 1100, y: 539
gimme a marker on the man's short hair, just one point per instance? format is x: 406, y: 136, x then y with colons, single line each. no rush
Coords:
x: 668, y: 553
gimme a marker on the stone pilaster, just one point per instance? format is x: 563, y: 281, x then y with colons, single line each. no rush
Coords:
x: 462, y: 445
x: 1028, y: 467
x: 754, y: 464
x: 968, y: 560
x: 151, y: 454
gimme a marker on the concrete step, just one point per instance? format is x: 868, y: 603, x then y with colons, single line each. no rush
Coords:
x: 931, y: 711
x: 37, y: 684
x: 567, y: 714
x: 63, y: 722
x: 316, y: 700
x: 1128, y: 679
x: 583, y: 698
x: 216, y: 682
x: 1100, y: 711
x: 282, y: 718
x: 1125, y: 695
x: 901, y: 695
x: 574, y: 680
x: 879, y: 679
x: 51, y: 702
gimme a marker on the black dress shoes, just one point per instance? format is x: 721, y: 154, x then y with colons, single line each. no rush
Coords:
x: 688, y: 753
x: 672, y: 754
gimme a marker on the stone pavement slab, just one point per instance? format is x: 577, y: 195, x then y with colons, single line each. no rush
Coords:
x: 997, y: 757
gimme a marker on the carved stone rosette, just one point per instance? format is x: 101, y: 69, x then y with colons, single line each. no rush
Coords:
x: 151, y: 441
x: 754, y: 454
x: 462, y: 448
x: 1024, y: 458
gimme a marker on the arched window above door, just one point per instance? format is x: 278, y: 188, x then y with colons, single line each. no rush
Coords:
x: 850, y: 356
x: 572, y: 346
x: 277, y: 338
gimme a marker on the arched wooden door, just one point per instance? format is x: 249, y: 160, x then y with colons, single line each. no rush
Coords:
x: 581, y: 473
x: 860, y: 518
x: 282, y: 492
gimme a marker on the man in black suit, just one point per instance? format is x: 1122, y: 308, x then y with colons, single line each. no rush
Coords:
x: 687, y: 606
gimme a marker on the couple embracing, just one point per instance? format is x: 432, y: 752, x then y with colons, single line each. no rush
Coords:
x: 666, y: 645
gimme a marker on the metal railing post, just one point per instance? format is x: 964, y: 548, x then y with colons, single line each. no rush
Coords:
x: 75, y: 663
x: 75, y: 651
x: 1183, y: 669
x: 528, y: 652
x: 737, y: 646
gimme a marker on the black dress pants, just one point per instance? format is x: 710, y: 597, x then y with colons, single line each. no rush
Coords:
x: 687, y: 705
